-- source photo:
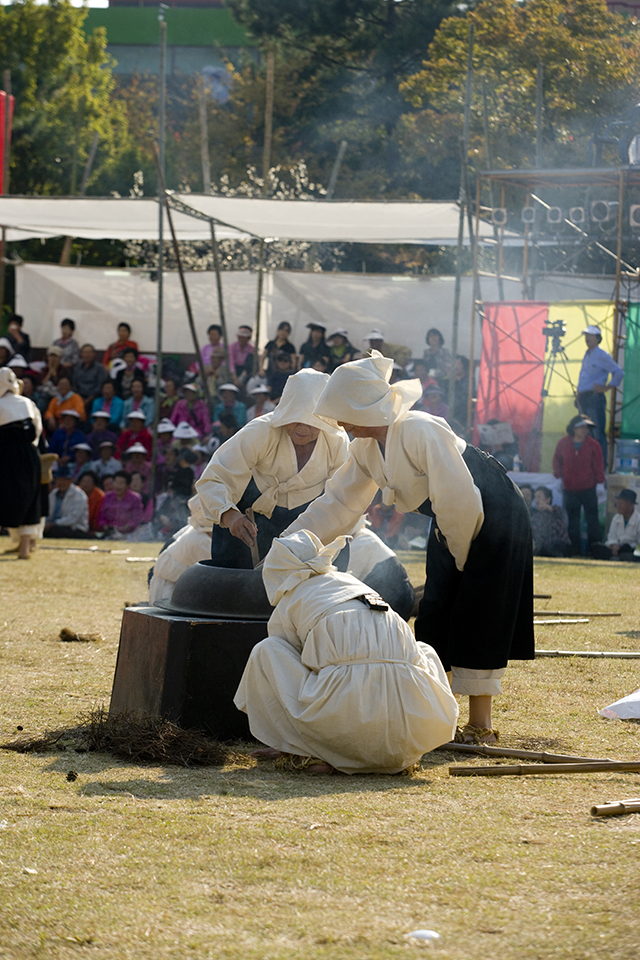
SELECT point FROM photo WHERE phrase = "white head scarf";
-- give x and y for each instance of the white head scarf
(299, 398)
(295, 558)
(360, 393)
(13, 407)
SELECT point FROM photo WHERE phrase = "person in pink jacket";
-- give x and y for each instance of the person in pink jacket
(193, 410)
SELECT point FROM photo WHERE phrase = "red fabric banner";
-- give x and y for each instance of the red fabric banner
(512, 370)
(3, 100)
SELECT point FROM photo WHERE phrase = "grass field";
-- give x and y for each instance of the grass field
(245, 862)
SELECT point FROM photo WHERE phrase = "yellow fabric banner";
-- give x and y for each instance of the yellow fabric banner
(561, 373)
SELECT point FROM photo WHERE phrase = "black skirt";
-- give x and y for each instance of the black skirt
(482, 617)
(229, 551)
(19, 475)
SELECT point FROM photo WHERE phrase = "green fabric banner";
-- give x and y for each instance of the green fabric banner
(630, 421)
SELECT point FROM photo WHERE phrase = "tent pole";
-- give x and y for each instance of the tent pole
(160, 165)
(216, 265)
(5, 180)
(463, 200)
(487, 141)
(472, 335)
(258, 305)
(183, 284)
(616, 321)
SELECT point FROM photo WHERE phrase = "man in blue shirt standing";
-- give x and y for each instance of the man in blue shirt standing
(592, 384)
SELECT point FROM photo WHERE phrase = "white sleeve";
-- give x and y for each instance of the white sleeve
(455, 499)
(229, 471)
(346, 497)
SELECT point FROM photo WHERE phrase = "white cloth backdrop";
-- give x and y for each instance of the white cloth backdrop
(402, 307)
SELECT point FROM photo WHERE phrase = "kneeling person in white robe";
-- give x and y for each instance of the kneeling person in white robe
(336, 679)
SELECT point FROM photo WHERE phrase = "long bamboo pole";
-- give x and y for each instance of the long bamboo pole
(616, 808)
(591, 654)
(485, 750)
(472, 332)
(546, 769)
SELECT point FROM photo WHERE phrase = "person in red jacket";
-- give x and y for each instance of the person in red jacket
(578, 461)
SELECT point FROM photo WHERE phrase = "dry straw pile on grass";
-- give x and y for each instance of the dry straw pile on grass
(148, 861)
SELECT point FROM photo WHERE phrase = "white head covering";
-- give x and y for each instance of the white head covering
(7, 345)
(14, 407)
(295, 558)
(184, 431)
(360, 393)
(298, 401)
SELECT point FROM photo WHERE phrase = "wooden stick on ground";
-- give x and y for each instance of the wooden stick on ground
(565, 613)
(542, 596)
(546, 769)
(616, 808)
(489, 751)
(592, 654)
(563, 620)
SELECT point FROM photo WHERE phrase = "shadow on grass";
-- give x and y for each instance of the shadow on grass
(259, 781)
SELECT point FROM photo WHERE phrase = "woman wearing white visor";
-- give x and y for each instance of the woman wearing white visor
(477, 610)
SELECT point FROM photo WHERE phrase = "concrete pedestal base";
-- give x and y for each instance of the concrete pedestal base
(184, 668)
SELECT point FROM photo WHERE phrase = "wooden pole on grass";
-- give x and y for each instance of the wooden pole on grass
(546, 769)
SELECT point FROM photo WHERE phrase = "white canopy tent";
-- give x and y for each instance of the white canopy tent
(99, 218)
(335, 221)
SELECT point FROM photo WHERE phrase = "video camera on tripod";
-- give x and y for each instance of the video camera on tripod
(554, 332)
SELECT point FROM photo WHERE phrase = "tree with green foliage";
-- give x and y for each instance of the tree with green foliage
(63, 85)
(591, 68)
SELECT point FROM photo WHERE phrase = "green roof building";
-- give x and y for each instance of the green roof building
(197, 37)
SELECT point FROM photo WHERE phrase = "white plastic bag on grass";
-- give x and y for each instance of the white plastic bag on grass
(628, 708)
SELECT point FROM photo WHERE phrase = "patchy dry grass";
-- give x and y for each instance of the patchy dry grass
(245, 862)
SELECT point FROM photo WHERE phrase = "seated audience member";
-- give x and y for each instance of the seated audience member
(6, 352)
(107, 482)
(135, 462)
(550, 536)
(127, 374)
(48, 386)
(214, 332)
(420, 371)
(88, 377)
(16, 336)
(277, 378)
(241, 355)
(138, 401)
(69, 346)
(433, 401)
(202, 461)
(165, 435)
(100, 432)
(192, 410)
(624, 532)
(174, 511)
(89, 483)
(184, 435)
(138, 486)
(115, 349)
(436, 355)
(109, 403)
(66, 437)
(121, 510)
(261, 402)
(64, 400)
(168, 399)
(220, 371)
(169, 467)
(341, 350)
(338, 683)
(527, 492)
(280, 344)
(106, 465)
(81, 462)
(225, 427)
(68, 508)
(189, 545)
(230, 404)
(136, 432)
(19, 366)
(315, 346)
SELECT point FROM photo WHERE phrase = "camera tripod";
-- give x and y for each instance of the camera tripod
(556, 361)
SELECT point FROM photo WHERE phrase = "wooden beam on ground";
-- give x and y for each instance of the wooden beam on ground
(546, 769)
(486, 750)
(592, 654)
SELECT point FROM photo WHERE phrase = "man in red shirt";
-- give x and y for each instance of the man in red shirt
(578, 461)
(136, 432)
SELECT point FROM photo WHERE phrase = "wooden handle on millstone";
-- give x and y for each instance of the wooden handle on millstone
(255, 555)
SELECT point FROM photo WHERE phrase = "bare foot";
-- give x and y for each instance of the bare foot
(321, 768)
(266, 753)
